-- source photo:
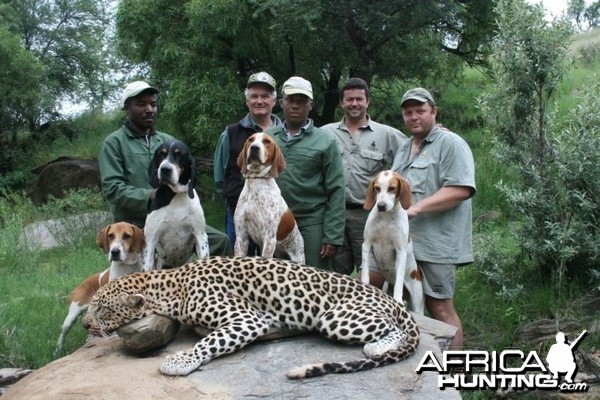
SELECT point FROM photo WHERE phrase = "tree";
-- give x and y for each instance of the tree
(555, 174)
(19, 84)
(66, 37)
(583, 15)
(202, 50)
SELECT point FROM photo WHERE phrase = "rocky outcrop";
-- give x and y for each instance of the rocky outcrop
(57, 177)
(105, 369)
(59, 232)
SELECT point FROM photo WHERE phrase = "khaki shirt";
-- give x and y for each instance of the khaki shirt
(444, 159)
(370, 151)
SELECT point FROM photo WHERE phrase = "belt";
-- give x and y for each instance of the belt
(353, 206)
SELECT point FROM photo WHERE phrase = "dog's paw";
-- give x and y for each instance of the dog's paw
(181, 363)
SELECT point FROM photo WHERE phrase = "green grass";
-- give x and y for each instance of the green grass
(35, 286)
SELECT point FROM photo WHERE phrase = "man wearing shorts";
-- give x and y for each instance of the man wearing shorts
(440, 169)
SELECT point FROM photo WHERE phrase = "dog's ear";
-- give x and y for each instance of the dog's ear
(102, 239)
(370, 197)
(405, 194)
(241, 160)
(192, 181)
(138, 239)
(153, 170)
(278, 164)
(155, 163)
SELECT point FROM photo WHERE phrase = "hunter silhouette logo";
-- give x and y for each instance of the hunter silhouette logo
(560, 357)
(508, 369)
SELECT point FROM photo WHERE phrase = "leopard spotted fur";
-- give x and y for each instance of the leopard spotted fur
(240, 298)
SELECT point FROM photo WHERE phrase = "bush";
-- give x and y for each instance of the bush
(554, 188)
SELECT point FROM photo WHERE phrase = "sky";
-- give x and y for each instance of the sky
(553, 7)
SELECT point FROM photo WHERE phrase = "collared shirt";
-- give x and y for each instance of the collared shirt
(289, 135)
(444, 159)
(365, 154)
(124, 161)
(225, 156)
(312, 183)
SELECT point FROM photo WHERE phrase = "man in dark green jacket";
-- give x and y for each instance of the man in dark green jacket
(125, 158)
(313, 181)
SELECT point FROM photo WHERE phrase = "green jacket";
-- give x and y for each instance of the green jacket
(313, 181)
(124, 162)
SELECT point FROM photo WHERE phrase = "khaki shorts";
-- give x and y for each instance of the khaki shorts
(439, 280)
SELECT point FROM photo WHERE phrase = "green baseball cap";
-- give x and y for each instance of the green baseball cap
(264, 78)
(418, 94)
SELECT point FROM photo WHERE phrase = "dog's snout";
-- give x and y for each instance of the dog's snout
(253, 153)
(381, 207)
(165, 169)
(114, 254)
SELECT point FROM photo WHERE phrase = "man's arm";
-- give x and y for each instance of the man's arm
(444, 199)
(221, 159)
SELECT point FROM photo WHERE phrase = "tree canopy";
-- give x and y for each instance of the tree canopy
(202, 51)
(52, 52)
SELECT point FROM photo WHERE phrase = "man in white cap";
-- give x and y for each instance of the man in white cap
(313, 181)
(125, 158)
(440, 168)
(261, 97)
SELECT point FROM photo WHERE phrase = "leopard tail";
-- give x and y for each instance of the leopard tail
(407, 349)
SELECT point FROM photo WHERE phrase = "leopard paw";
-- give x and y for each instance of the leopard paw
(181, 363)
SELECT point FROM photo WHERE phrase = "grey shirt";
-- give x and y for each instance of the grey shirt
(444, 159)
(367, 153)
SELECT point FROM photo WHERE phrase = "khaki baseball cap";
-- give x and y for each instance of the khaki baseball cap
(135, 88)
(297, 85)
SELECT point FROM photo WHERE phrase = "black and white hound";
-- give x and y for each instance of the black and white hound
(175, 224)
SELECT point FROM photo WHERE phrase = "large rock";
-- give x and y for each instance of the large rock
(57, 177)
(105, 370)
(59, 232)
(148, 333)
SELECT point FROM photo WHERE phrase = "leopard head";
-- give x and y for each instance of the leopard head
(116, 304)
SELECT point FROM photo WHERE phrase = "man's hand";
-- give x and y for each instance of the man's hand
(328, 250)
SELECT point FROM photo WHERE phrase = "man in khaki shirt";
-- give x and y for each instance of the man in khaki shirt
(367, 147)
(440, 168)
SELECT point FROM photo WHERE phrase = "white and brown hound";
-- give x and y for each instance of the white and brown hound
(386, 236)
(123, 243)
(261, 213)
(175, 225)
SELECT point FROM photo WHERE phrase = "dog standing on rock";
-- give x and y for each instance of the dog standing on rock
(262, 214)
(387, 237)
(175, 225)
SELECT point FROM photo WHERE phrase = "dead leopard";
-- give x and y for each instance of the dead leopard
(240, 298)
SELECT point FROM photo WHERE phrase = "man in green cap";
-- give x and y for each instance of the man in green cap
(440, 169)
(261, 97)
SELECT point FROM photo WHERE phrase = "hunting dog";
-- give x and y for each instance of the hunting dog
(261, 213)
(123, 243)
(387, 237)
(175, 225)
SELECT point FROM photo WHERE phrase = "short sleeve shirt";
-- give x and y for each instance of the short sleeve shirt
(371, 150)
(444, 159)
